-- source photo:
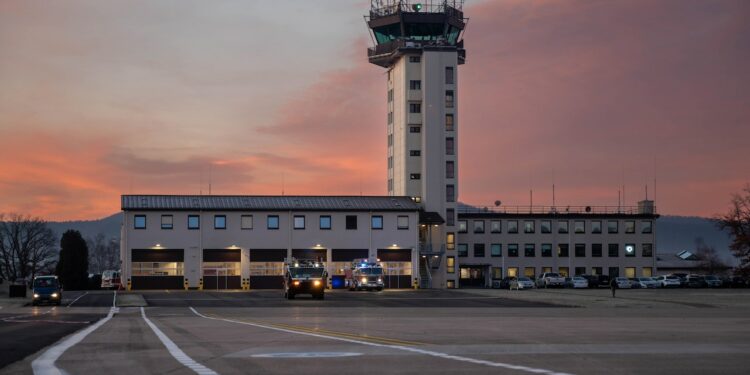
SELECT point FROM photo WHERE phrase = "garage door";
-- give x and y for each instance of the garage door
(267, 268)
(396, 267)
(157, 269)
(221, 269)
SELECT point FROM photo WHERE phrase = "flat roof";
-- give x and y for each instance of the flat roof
(265, 203)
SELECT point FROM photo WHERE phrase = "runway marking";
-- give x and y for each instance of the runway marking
(45, 363)
(11, 318)
(175, 350)
(307, 355)
(48, 321)
(76, 300)
(382, 340)
(396, 347)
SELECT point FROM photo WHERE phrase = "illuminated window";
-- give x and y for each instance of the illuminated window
(450, 263)
(512, 271)
(450, 241)
(563, 271)
(449, 123)
(449, 100)
(629, 250)
(139, 222)
(497, 273)
(528, 226)
(462, 227)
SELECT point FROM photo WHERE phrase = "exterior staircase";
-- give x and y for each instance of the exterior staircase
(425, 277)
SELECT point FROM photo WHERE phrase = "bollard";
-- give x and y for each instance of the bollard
(186, 284)
(200, 284)
(416, 283)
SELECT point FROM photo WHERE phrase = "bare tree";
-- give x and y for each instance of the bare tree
(104, 254)
(710, 260)
(737, 222)
(27, 246)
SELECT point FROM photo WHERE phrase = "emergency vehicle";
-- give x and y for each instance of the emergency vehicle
(304, 276)
(364, 274)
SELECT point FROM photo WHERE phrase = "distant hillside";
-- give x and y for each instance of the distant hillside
(109, 226)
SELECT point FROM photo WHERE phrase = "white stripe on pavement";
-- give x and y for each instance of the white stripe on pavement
(76, 300)
(397, 347)
(45, 363)
(175, 350)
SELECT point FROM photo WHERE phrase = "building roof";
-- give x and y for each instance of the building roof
(266, 203)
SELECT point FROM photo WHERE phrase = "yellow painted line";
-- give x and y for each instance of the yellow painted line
(375, 339)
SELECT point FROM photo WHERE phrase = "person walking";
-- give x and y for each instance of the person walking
(613, 286)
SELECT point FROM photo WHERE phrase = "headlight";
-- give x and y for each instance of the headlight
(316, 282)
(36, 295)
(364, 280)
(380, 280)
(295, 283)
(54, 295)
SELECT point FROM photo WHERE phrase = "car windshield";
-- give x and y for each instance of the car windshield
(372, 271)
(579, 279)
(300, 272)
(45, 283)
(552, 275)
(710, 277)
(523, 279)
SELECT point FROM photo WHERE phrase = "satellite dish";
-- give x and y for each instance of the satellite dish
(588, 208)
(498, 203)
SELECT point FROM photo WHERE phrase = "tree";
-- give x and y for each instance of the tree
(103, 254)
(737, 222)
(709, 259)
(73, 266)
(26, 247)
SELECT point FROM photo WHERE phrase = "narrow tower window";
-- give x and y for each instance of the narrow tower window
(449, 75)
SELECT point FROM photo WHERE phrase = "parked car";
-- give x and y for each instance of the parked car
(623, 283)
(668, 281)
(648, 282)
(635, 283)
(46, 289)
(550, 279)
(576, 282)
(504, 283)
(712, 281)
(696, 281)
(683, 279)
(522, 283)
(737, 282)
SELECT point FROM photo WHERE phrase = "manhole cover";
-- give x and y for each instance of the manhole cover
(307, 355)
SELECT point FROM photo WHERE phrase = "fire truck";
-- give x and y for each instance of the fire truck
(364, 274)
(304, 276)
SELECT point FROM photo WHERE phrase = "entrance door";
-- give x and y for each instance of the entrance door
(216, 279)
(472, 276)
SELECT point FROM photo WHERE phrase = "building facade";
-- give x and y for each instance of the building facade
(240, 242)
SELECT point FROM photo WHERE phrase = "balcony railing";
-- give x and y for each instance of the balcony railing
(384, 8)
(560, 210)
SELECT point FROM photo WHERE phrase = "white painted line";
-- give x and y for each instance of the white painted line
(175, 350)
(45, 363)
(76, 300)
(397, 347)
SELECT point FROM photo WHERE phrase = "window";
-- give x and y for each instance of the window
(629, 250)
(246, 222)
(496, 226)
(450, 241)
(614, 272)
(630, 227)
(647, 271)
(614, 250)
(563, 250)
(415, 176)
(450, 263)
(351, 221)
(325, 222)
(450, 215)
(530, 272)
(563, 271)
(390, 184)
(450, 171)
(415, 84)
(462, 227)
(450, 193)
(562, 227)
(546, 250)
(629, 272)
(390, 117)
(463, 250)
(596, 227)
(646, 227)
(402, 222)
(414, 59)
(415, 129)
(579, 227)
(597, 271)
(450, 148)
(390, 139)
(512, 271)
(449, 99)
(272, 222)
(580, 271)
(449, 123)
(390, 95)
(529, 250)
(478, 226)
(580, 250)
(415, 107)
(546, 226)
(377, 222)
(612, 226)
(415, 153)
(479, 250)
(513, 250)
(647, 250)
(299, 222)
(512, 226)
(220, 222)
(497, 273)
(167, 221)
(194, 222)
(496, 250)
(596, 250)
(449, 75)
(390, 162)
(139, 222)
(528, 226)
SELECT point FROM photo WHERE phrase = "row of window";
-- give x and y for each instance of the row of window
(579, 226)
(272, 222)
(450, 102)
(497, 272)
(563, 250)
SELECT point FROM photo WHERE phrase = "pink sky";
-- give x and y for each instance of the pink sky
(102, 98)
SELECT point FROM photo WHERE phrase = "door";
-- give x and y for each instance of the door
(473, 276)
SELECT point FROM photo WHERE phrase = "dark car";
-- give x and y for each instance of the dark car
(504, 283)
(683, 279)
(737, 282)
(696, 281)
(46, 289)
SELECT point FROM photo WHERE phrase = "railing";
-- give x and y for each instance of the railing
(389, 47)
(427, 249)
(384, 8)
(560, 210)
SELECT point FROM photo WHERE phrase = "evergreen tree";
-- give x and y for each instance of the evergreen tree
(73, 266)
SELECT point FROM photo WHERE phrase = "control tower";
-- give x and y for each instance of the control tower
(420, 44)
